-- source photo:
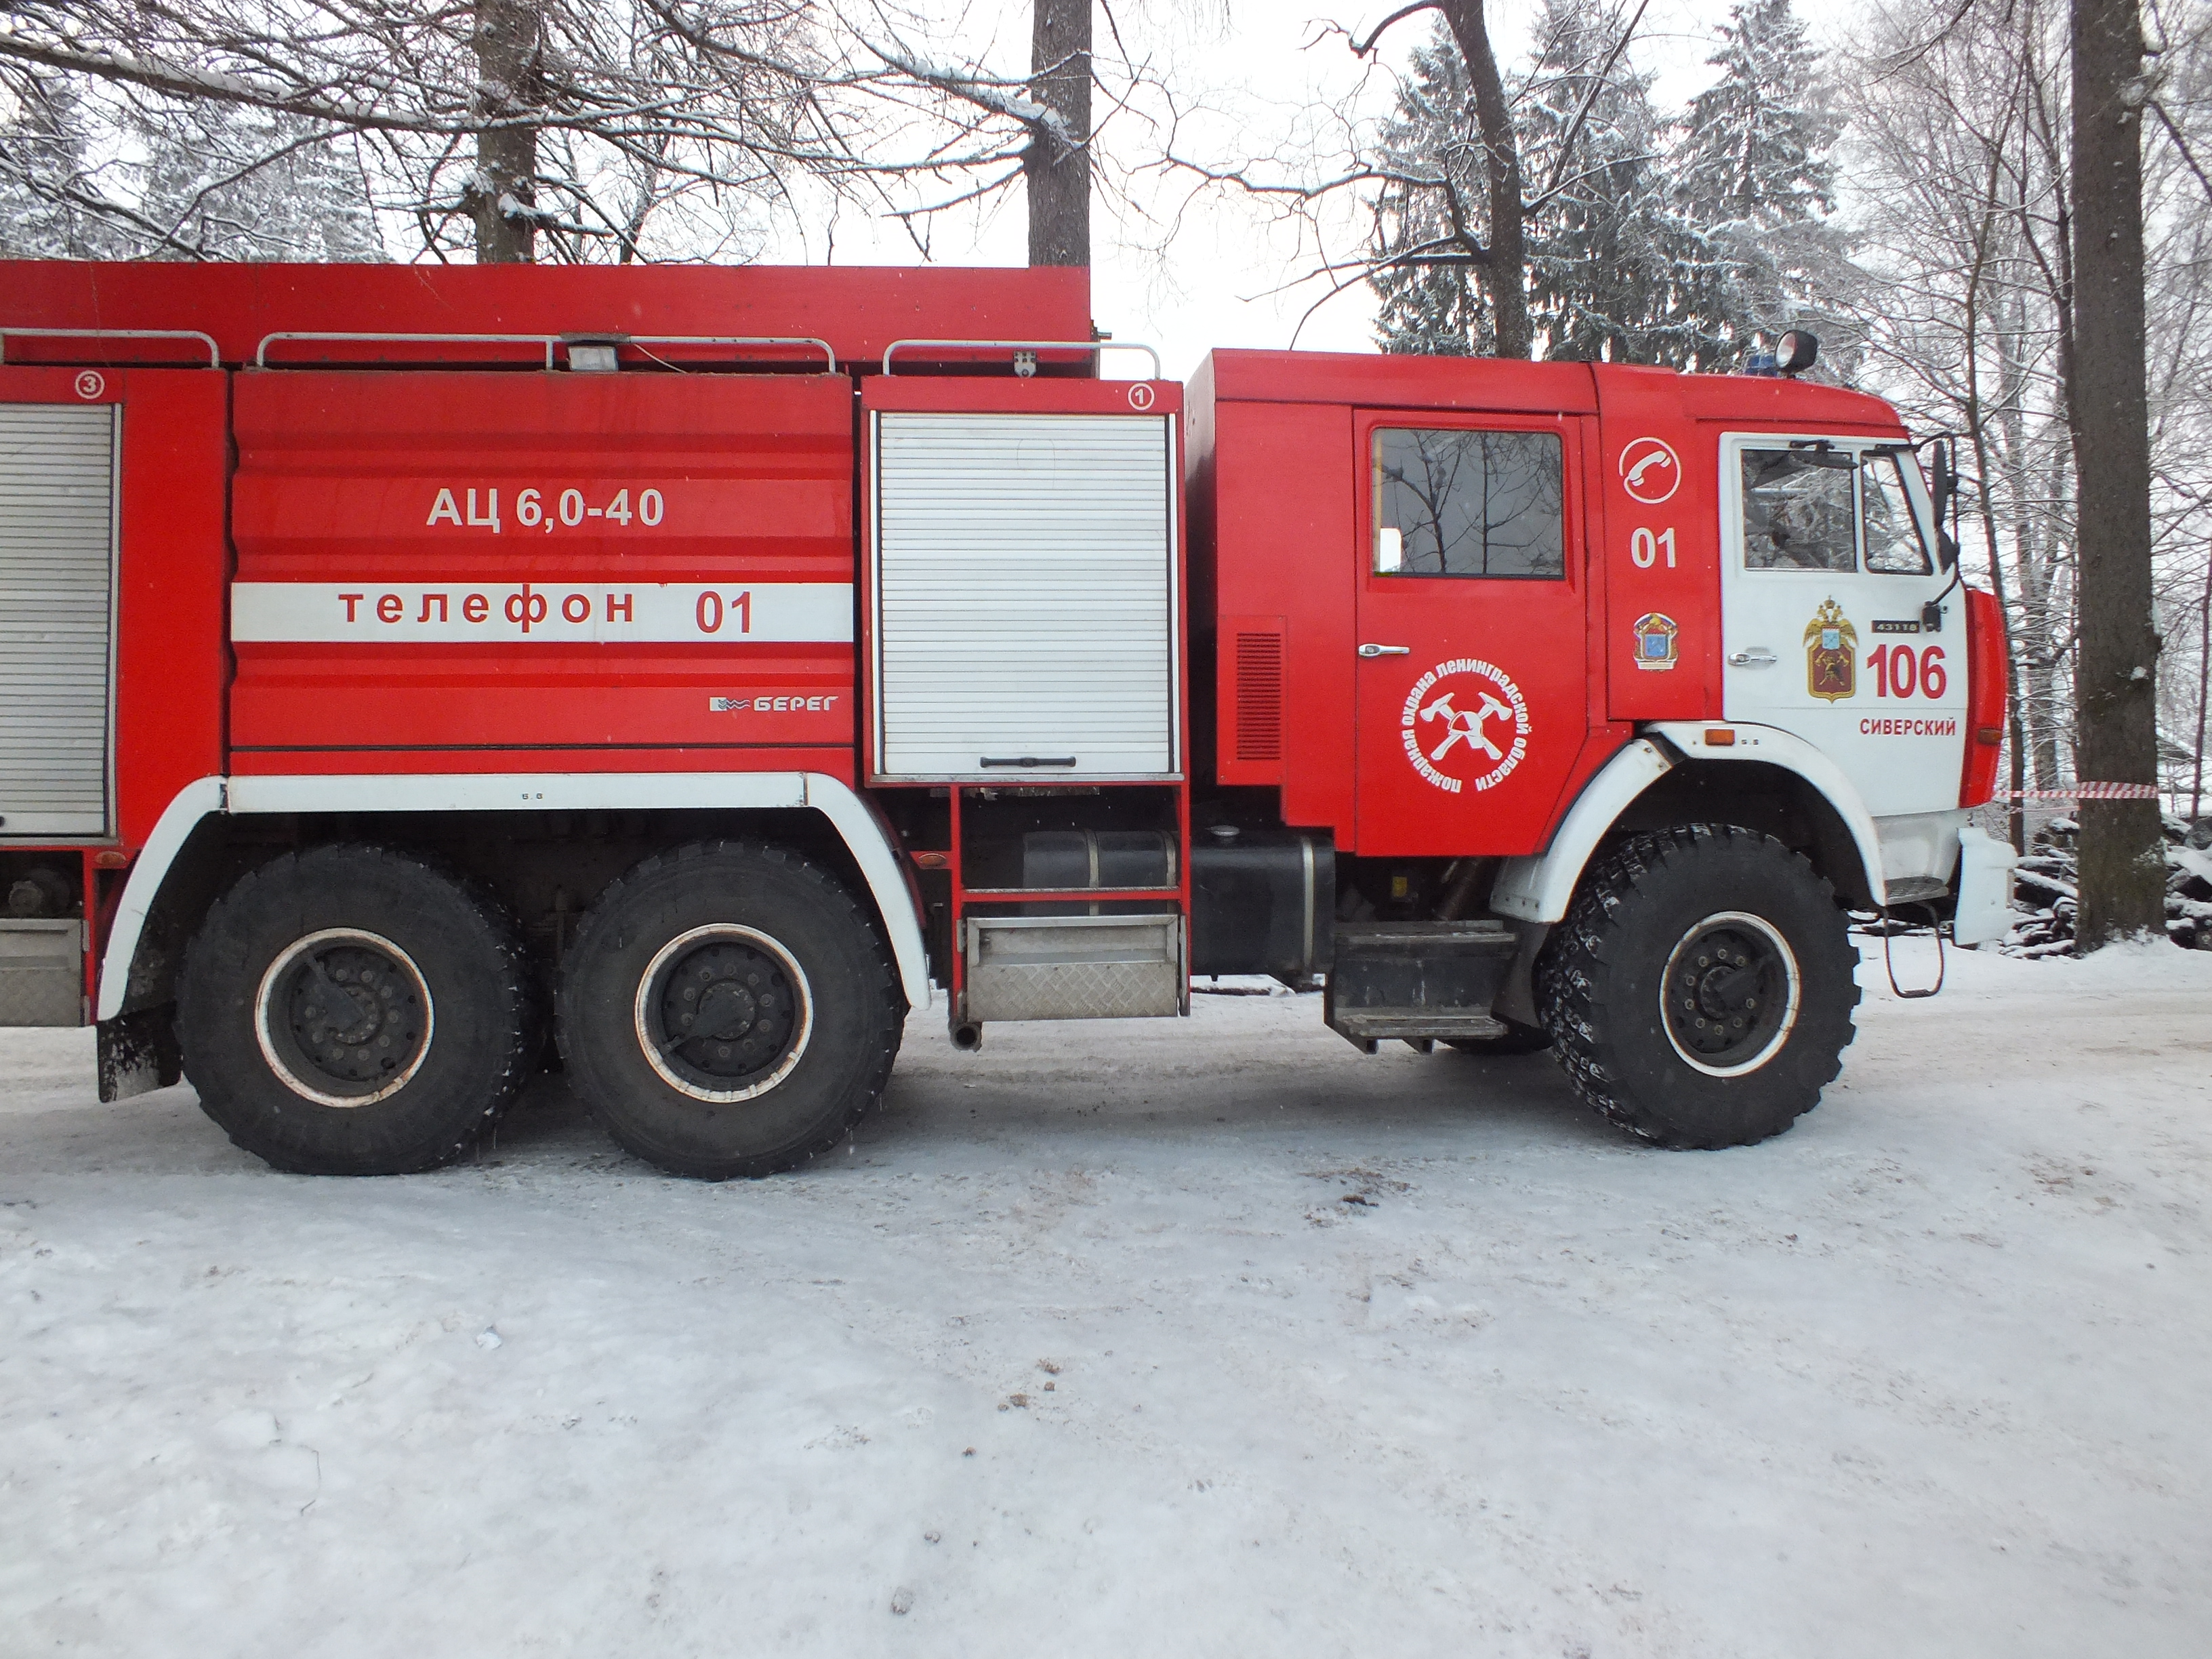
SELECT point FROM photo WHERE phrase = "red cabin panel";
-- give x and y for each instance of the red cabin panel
(517, 563)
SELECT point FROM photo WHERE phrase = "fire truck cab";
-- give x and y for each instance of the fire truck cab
(410, 679)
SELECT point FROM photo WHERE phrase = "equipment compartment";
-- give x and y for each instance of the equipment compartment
(1024, 597)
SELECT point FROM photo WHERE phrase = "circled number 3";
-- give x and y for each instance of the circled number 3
(1644, 547)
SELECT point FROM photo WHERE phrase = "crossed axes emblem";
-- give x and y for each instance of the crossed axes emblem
(1462, 727)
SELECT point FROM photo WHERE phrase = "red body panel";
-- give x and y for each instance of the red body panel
(468, 627)
(1986, 689)
(1661, 550)
(1284, 546)
(858, 310)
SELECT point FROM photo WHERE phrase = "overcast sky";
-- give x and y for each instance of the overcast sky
(1190, 271)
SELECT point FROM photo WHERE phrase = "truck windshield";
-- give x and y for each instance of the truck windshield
(1463, 503)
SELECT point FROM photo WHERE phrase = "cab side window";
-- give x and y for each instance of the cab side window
(1797, 510)
(1893, 546)
(1463, 503)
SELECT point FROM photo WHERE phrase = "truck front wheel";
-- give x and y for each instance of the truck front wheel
(726, 1009)
(1699, 991)
(351, 1011)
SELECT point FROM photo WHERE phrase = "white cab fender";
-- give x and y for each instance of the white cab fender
(1539, 888)
(856, 824)
(1792, 753)
(1985, 888)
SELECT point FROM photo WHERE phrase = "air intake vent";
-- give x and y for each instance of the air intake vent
(1258, 696)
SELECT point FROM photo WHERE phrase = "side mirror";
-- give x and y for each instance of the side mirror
(1943, 492)
(1943, 483)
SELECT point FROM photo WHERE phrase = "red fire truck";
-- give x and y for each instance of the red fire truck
(411, 675)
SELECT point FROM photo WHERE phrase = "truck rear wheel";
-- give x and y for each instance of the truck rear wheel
(351, 1010)
(1699, 991)
(726, 1009)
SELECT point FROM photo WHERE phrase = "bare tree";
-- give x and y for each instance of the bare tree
(556, 129)
(1472, 209)
(1960, 154)
(1505, 261)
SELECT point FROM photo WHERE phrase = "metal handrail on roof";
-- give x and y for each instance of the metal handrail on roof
(215, 351)
(551, 343)
(822, 346)
(1093, 346)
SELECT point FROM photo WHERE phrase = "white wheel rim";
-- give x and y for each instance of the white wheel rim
(642, 1024)
(274, 973)
(1790, 975)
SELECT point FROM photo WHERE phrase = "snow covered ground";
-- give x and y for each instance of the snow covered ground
(1212, 1337)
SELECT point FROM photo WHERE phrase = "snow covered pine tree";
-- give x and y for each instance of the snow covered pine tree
(1647, 241)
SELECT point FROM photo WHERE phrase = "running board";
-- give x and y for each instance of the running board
(1417, 981)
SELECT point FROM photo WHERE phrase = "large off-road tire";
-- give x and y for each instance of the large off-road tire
(1699, 991)
(352, 1011)
(727, 1010)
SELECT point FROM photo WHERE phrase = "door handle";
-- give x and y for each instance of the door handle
(1753, 656)
(1386, 650)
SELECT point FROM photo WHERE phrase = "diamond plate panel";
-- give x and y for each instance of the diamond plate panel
(1074, 968)
(41, 973)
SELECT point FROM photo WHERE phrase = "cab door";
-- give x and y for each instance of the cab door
(1471, 683)
(1827, 577)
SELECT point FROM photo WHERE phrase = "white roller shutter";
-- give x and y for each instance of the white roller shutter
(1024, 597)
(56, 599)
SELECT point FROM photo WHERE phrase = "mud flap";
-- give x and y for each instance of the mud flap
(137, 1052)
(1984, 910)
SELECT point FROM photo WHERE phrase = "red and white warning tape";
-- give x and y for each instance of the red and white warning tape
(2088, 792)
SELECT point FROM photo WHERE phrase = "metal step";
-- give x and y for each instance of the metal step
(1417, 981)
(1916, 890)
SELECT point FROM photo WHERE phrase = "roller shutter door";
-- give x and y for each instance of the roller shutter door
(1025, 606)
(57, 601)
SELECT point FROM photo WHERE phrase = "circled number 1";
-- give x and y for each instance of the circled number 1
(1643, 548)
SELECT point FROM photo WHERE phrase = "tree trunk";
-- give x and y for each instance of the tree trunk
(2116, 667)
(1505, 276)
(2204, 691)
(1056, 165)
(508, 35)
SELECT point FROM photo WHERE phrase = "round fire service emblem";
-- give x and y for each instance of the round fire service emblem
(1465, 725)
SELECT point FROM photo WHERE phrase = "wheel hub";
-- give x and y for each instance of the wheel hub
(344, 1016)
(1730, 993)
(723, 1013)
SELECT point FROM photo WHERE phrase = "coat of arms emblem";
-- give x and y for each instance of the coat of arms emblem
(1831, 654)
(1656, 640)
